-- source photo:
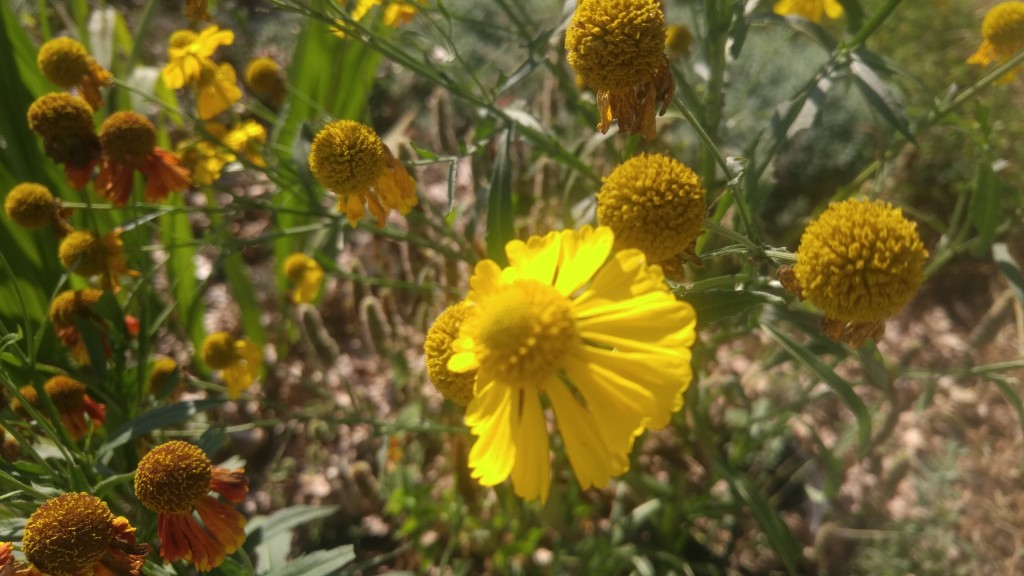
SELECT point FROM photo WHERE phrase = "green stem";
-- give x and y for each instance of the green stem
(872, 24)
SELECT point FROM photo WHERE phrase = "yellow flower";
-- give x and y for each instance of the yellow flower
(598, 333)
(678, 39)
(437, 351)
(32, 206)
(189, 53)
(810, 9)
(617, 47)
(238, 360)
(65, 62)
(72, 402)
(164, 371)
(129, 144)
(350, 159)
(174, 480)
(65, 124)
(75, 534)
(860, 262)
(265, 80)
(305, 276)
(1002, 33)
(206, 160)
(87, 254)
(248, 140)
(396, 13)
(217, 89)
(653, 203)
(65, 310)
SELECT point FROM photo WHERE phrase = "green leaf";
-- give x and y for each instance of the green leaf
(154, 420)
(713, 305)
(879, 96)
(319, 563)
(282, 521)
(832, 380)
(775, 529)
(1009, 267)
(984, 212)
(500, 228)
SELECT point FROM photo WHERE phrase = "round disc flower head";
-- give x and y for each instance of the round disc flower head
(437, 351)
(304, 275)
(75, 534)
(264, 77)
(33, 206)
(163, 373)
(1002, 33)
(812, 10)
(617, 47)
(65, 124)
(129, 144)
(598, 333)
(174, 480)
(66, 63)
(89, 254)
(65, 310)
(238, 360)
(351, 160)
(72, 403)
(860, 262)
(653, 203)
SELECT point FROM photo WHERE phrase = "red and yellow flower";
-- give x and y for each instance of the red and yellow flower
(175, 480)
(129, 144)
(72, 402)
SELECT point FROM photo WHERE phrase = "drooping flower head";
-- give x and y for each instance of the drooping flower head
(812, 10)
(653, 203)
(598, 333)
(305, 276)
(66, 63)
(678, 40)
(174, 480)
(238, 360)
(1002, 33)
(266, 80)
(72, 402)
(860, 262)
(88, 254)
(10, 450)
(437, 351)
(33, 206)
(64, 122)
(190, 63)
(75, 534)
(129, 144)
(7, 562)
(352, 161)
(68, 307)
(617, 47)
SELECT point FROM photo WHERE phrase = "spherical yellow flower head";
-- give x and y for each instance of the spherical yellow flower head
(810, 9)
(31, 397)
(173, 477)
(61, 116)
(653, 203)
(219, 350)
(128, 138)
(598, 333)
(305, 275)
(678, 39)
(347, 157)
(66, 393)
(1002, 33)
(437, 350)
(72, 303)
(31, 205)
(860, 261)
(182, 38)
(615, 45)
(161, 373)
(69, 534)
(64, 61)
(84, 252)
(264, 77)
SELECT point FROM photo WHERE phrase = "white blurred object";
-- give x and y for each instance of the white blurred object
(102, 27)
